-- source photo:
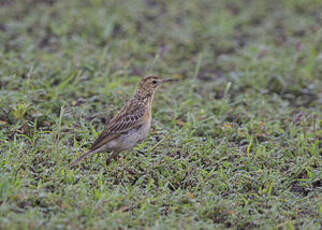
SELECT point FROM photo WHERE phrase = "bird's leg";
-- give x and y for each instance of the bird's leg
(112, 156)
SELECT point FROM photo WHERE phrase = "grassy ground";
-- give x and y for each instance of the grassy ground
(234, 144)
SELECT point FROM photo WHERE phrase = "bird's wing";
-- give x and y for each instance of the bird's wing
(130, 116)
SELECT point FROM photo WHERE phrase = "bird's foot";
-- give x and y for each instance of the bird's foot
(108, 161)
(112, 157)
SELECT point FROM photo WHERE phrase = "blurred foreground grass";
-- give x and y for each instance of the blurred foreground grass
(235, 144)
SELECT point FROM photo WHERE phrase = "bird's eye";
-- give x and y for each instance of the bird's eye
(154, 82)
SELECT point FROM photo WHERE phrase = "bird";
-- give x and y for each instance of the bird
(130, 125)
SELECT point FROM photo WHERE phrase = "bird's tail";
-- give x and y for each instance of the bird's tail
(75, 162)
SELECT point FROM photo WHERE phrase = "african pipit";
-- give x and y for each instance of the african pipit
(130, 125)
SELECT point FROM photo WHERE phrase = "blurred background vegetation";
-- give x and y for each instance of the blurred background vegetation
(234, 144)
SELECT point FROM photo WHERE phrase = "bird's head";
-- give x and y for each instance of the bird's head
(148, 85)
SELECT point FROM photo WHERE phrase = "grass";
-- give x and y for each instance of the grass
(236, 143)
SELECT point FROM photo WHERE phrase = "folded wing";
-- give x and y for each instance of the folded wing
(129, 117)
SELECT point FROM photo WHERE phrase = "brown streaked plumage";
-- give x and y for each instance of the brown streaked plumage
(130, 125)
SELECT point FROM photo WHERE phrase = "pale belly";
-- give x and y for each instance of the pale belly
(130, 139)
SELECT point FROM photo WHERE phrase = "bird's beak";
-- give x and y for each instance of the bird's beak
(168, 80)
